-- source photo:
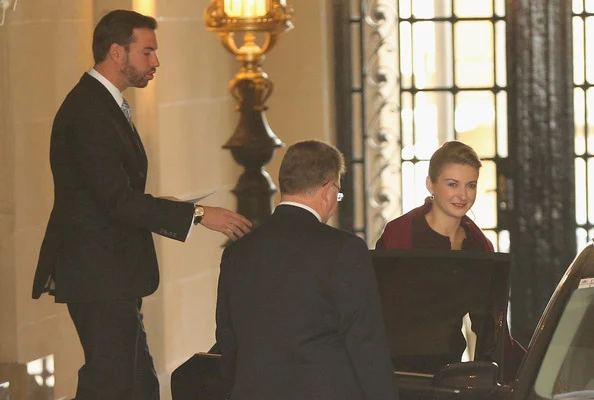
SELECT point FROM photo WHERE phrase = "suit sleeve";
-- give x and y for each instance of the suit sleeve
(361, 322)
(225, 333)
(96, 147)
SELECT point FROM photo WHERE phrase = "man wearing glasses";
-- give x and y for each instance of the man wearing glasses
(298, 313)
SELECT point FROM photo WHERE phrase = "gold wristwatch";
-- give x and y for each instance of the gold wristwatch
(198, 213)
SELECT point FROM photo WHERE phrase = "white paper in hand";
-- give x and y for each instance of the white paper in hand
(195, 197)
(199, 195)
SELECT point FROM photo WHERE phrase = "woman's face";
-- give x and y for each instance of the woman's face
(455, 189)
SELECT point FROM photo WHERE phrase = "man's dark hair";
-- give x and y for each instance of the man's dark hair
(117, 27)
(308, 165)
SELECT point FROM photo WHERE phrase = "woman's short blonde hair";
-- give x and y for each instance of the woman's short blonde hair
(452, 152)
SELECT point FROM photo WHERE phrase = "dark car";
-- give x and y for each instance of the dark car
(560, 359)
(424, 295)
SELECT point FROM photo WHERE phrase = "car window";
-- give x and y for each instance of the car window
(567, 370)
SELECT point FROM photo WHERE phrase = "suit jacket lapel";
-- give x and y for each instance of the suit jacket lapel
(137, 140)
(130, 138)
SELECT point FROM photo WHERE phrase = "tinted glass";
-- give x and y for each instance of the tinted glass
(567, 370)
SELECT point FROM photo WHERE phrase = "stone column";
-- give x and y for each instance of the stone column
(541, 207)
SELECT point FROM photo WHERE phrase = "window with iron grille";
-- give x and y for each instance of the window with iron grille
(497, 75)
(583, 73)
(423, 72)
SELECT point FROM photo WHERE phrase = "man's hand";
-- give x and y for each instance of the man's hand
(227, 222)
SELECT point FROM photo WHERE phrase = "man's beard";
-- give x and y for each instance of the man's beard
(134, 77)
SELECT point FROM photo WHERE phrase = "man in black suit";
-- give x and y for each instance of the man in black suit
(298, 312)
(98, 254)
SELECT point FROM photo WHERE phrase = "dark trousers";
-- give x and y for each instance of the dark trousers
(118, 365)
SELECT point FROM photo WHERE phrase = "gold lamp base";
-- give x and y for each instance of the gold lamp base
(253, 142)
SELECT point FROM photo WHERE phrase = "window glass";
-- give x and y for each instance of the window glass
(567, 370)
(453, 87)
(583, 103)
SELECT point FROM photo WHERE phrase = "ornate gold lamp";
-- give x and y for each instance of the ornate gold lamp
(253, 143)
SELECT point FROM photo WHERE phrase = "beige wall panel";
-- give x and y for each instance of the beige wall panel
(50, 10)
(193, 63)
(6, 143)
(181, 9)
(58, 335)
(8, 336)
(102, 7)
(191, 310)
(33, 314)
(300, 66)
(33, 184)
(42, 86)
(71, 37)
(32, 98)
(190, 154)
(8, 316)
(8, 331)
(53, 334)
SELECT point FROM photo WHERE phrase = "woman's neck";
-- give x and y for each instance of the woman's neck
(442, 224)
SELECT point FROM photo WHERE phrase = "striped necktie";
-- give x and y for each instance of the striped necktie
(135, 138)
(126, 109)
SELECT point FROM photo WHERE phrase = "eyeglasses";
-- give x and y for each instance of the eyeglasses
(339, 195)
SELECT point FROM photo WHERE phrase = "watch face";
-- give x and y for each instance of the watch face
(199, 211)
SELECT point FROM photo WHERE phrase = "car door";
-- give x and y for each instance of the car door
(425, 296)
(560, 360)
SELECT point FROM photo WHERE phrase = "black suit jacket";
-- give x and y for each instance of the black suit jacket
(98, 244)
(298, 314)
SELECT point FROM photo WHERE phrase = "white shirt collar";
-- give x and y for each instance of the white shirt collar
(311, 210)
(117, 95)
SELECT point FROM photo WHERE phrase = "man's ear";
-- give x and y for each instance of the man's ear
(116, 53)
(325, 190)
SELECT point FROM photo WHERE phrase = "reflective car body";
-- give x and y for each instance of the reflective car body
(559, 364)
(560, 359)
